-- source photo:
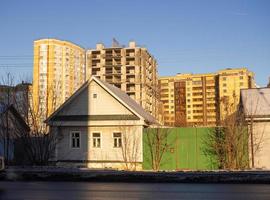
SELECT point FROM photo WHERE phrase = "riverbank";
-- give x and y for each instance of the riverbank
(81, 175)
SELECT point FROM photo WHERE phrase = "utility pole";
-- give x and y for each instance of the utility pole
(252, 142)
(196, 147)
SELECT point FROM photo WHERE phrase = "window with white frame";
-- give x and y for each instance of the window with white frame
(96, 140)
(117, 140)
(75, 139)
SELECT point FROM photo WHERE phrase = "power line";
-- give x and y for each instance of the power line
(16, 66)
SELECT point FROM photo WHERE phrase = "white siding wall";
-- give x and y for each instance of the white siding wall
(85, 104)
(64, 149)
(261, 131)
(107, 156)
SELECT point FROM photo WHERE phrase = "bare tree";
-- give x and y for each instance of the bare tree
(7, 98)
(37, 143)
(256, 140)
(229, 143)
(157, 140)
(131, 146)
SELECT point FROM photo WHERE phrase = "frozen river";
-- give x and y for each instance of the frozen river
(134, 191)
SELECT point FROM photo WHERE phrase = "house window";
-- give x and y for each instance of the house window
(117, 140)
(75, 139)
(96, 140)
(95, 96)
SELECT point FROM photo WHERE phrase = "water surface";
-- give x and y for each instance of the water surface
(157, 191)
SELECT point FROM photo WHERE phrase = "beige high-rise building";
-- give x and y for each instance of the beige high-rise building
(202, 99)
(230, 83)
(132, 69)
(59, 70)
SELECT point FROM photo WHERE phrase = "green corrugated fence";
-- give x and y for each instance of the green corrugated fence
(185, 149)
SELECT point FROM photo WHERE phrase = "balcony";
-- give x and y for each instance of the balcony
(130, 63)
(132, 54)
(131, 71)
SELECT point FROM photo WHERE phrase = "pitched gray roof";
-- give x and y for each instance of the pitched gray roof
(128, 100)
(256, 101)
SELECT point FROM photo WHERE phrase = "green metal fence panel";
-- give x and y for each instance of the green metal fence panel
(184, 152)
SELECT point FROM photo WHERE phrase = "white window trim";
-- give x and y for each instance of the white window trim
(92, 139)
(71, 132)
(121, 139)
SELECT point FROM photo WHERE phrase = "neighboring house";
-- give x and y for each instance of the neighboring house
(100, 126)
(19, 96)
(256, 106)
(12, 126)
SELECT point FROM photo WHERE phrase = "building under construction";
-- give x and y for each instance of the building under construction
(132, 69)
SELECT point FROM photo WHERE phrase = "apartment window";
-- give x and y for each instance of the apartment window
(241, 84)
(117, 140)
(224, 84)
(224, 78)
(75, 139)
(224, 91)
(197, 82)
(95, 96)
(241, 77)
(96, 140)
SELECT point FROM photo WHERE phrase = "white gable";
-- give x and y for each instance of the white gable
(94, 100)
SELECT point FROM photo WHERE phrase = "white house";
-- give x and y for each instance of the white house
(256, 106)
(100, 126)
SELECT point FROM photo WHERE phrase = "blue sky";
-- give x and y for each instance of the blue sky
(185, 36)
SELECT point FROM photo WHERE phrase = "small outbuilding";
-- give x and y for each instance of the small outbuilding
(12, 128)
(100, 126)
(256, 106)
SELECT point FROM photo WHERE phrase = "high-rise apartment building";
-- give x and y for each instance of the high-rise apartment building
(132, 69)
(230, 83)
(166, 88)
(202, 99)
(59, 70)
